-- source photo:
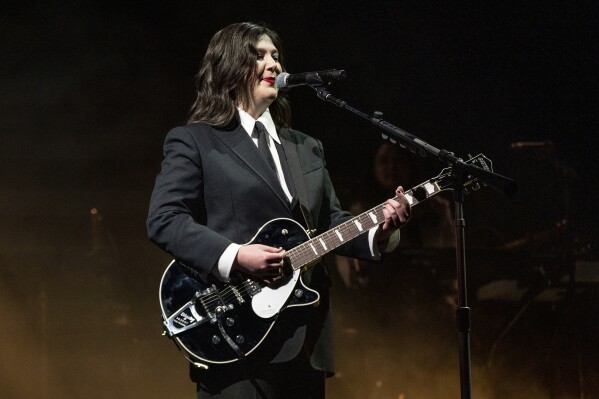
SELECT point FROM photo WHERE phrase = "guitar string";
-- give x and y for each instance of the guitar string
(227, 295)
(305, 251)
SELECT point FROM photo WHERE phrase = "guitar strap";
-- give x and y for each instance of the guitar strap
(298, 180)
(297, 174)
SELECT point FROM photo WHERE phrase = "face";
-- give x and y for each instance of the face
(267, 68)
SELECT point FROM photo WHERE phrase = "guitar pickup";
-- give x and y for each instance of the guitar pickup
(251, 287)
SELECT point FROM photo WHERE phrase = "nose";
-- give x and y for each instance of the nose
(271, 65)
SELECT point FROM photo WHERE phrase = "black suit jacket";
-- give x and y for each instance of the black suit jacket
(214, 189)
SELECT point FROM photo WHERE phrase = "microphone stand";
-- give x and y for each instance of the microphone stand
(459, 172)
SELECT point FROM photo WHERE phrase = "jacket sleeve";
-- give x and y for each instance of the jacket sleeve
(177, 215)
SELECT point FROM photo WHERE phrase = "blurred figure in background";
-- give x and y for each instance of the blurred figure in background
(432, 221)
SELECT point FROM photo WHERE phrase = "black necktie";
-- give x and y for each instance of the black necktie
(261, 133)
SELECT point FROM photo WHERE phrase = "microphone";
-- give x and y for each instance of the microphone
(319, 78)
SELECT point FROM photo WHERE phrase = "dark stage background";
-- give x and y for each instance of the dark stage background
(89, 90)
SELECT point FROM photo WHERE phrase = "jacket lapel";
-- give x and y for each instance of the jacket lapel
(290, 148)
(241, 144)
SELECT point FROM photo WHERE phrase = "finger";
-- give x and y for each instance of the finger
(274, 258)
(401, 196)
(396, 214)
(267, 248)
(404, 215)
(403, 207)
(391, 217)
(271, 271)
(394, 208)
(275, 264)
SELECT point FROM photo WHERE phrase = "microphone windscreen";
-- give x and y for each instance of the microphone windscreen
(281, 80)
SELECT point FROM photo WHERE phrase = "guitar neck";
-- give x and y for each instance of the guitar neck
(304, 255)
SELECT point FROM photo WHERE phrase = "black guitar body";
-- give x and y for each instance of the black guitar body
(215, 322)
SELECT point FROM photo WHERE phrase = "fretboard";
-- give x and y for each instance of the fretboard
(305, 254)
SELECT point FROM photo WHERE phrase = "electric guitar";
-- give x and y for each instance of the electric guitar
(218, 323)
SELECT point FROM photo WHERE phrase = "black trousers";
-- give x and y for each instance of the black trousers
(291, 380)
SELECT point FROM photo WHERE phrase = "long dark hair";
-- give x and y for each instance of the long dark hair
(227, 76)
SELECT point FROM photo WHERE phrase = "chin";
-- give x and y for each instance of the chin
(268, 99)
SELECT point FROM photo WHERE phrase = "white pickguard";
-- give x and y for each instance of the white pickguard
(269, 301)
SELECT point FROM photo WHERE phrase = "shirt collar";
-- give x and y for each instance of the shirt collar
(266, 119)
